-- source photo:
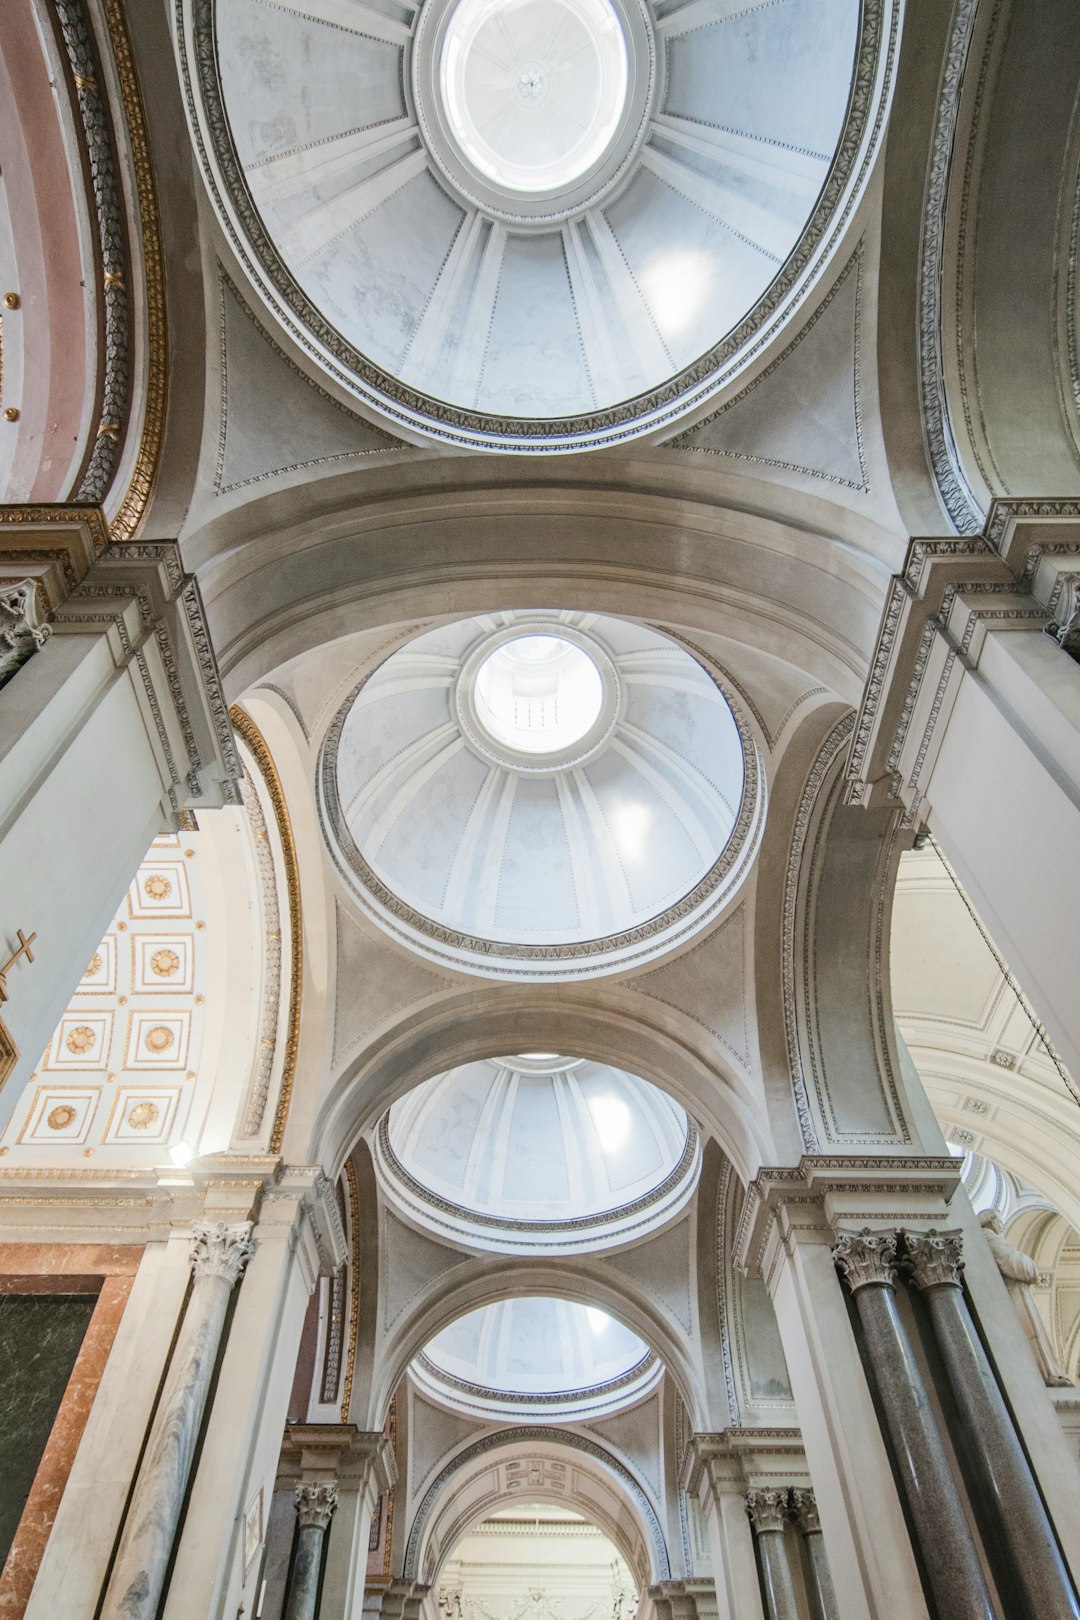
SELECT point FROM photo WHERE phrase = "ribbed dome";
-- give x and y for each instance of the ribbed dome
(497, 806)
(519, 220)
(538, 1152)
(537, 1356)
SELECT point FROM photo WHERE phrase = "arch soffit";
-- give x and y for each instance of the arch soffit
(756, 579)
(600, 1021)
(531, 1440)
(468, 1282)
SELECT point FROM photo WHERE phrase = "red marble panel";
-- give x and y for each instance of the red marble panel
(62, 1268)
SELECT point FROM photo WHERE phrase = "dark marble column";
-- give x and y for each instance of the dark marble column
(315, 1504)
(768, 1510)
(219, 1254)
(819, 1586)
(867, 1262)
(995, 1460)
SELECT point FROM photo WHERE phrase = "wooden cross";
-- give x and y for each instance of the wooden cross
(23, 950)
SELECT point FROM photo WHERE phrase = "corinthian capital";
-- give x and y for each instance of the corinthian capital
(767, 1510)
(806, 1514)
(934, 1259)
(866, 1257)
(315, 1504)
(219, 1250)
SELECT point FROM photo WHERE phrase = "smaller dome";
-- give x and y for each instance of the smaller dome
(537, 1357)
(538, 1152)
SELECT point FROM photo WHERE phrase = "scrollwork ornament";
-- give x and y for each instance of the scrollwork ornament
(315, 1504)
(934, 1259)
(866, 1258)
(767, 1510)
(804, 1502)
(220, 1250)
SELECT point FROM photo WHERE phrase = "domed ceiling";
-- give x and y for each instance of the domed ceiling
(537, 1357)
(538, 1153)
(541, 794)
(532, 223)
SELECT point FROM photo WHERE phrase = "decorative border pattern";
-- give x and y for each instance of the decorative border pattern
(578, 1223)
(253, 739)
(546, 1436)
(823, 763)
(954, 493)
(220, 488)
(648, 411)
(566, 1397)
(683, 441)
(353, 1191)
(137, 496)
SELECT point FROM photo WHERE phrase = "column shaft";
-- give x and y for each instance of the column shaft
(819, 1586)
(768, 1511)
(994, 1457)
(949, 1556)
(304, 1580)
(315, 1504)
(138, 1575)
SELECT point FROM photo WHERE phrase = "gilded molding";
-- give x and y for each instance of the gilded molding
(132, 508)
(253, 740)
(353, 1192)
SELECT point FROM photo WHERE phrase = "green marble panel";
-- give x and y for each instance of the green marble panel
(40, 1335)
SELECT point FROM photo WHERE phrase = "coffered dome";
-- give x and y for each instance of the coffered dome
(532, 223)
(541, 794)
(537, 1357)
(538, 1152)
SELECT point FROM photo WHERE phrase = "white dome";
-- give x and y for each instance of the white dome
(545, 223)
(538, 1153)
(537, 1357)
(556, 814)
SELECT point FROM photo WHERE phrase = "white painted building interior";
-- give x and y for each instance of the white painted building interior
(539, 810)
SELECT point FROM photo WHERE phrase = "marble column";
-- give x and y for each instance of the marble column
(995, 1460)
(768, 1511)
(867, 1262)
(819, 1586)
(315, 1504)
(218, 1256)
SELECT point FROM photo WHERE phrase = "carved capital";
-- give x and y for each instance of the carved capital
(934, 1259)
(806, 1514)
(866, 1257)
(21, 633)
(220, 1250)
(315, 1504)
(767, 1510)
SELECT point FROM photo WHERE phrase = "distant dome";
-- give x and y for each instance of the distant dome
(537, 1357)
(538, 1153)
(544, 224)
(541, 794)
